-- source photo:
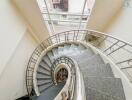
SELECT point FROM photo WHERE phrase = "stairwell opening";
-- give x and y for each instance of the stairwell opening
(61, 75)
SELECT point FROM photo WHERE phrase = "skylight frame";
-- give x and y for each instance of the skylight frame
(47, 14)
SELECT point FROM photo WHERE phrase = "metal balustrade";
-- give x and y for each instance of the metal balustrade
(69, 62)
(117, 50)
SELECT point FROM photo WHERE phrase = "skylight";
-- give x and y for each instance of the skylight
(63, 15)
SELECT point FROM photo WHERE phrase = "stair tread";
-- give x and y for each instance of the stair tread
(39, 82)
(73, 46)
(47, 60)
(60, 49)
(50, 93)
(97, 70)
(81, 47)
(55, 51)
(111, 86)
(44, 83)
(89, 60)
(42, 76)
(44, 65)
(93, 94)
(50, 55)
(66, 46)
(45, 87)
(43, 72)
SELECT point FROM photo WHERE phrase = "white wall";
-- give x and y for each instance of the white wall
(102, 13)
(12, 82)
(121, 25)
(12, 29)
(16, 46)
(30, 11)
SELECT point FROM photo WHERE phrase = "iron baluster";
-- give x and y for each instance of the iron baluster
(126, 67)
(77, 35)
(116, 49)
(124, 61)
(59, 37)
(111, 46)
(65, 37)
(74, 35)
(56, 39)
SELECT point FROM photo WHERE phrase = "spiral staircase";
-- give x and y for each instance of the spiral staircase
(78, 65)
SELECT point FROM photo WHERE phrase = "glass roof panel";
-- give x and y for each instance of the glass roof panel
(63, 15)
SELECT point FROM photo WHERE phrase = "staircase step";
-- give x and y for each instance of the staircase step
(72, 50)
(60, 50)
(55, 51)
(44, 83)
(110, 86)
(47, 60)
(73, 46)
(43, 73)
(93, 94)
(50, 93)
(90, 60)
(81, 47)
(40, 82)
(99, 70)
(43, 76)
(45, 87)
(51, 56)
(67, 46)
(44, 66)
(86, 54)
